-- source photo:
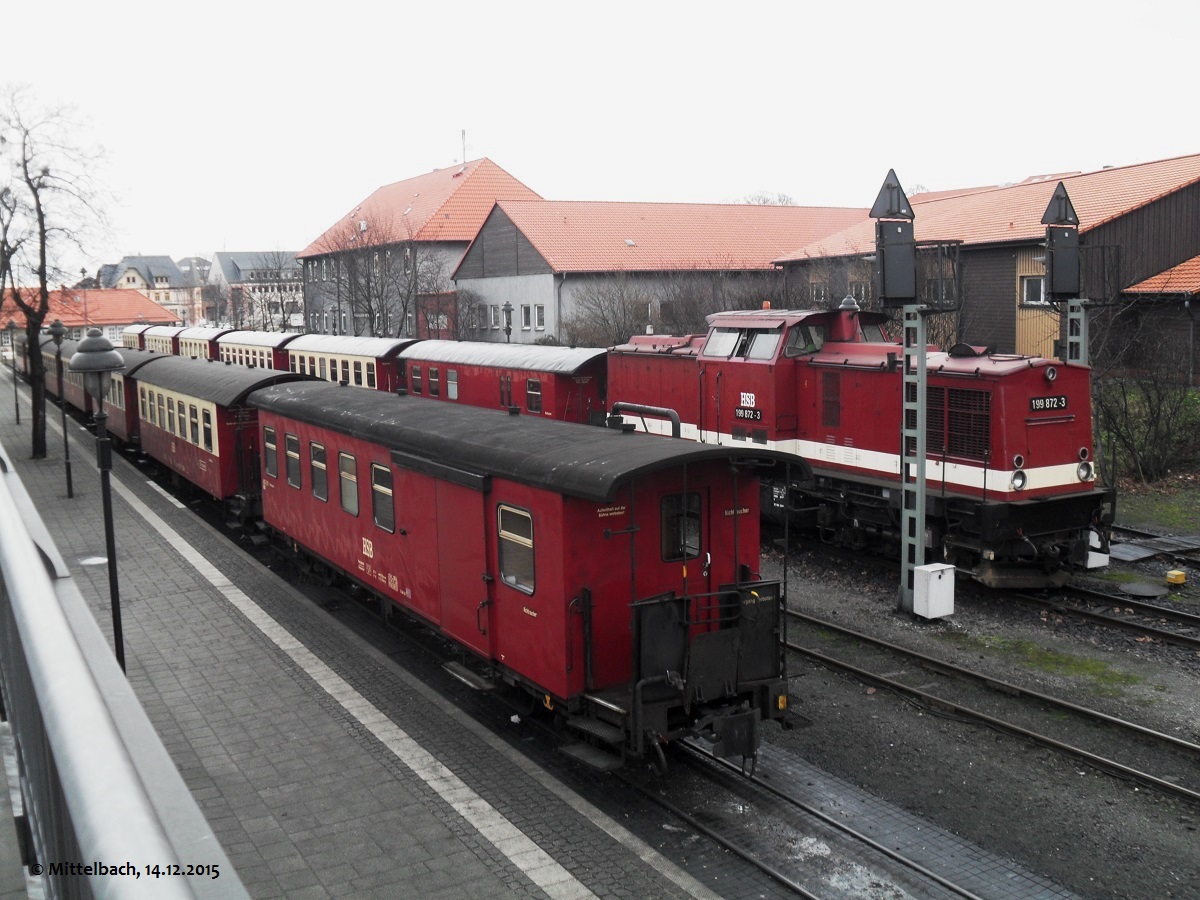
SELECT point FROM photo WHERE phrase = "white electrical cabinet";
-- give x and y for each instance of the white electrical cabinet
(933, 590)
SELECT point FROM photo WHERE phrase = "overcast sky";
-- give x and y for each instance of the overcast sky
(252, 126)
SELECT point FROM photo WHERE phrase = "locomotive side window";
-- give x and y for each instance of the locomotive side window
(270, 454)
(194, 419)
(348, 483)
(416, 379)
(804, 339)
(680, 527)
(516, 547)
(434, 383)
(383, 507)
(291, 448)
(533, 395)
(317, 472)
(208, 444)
(831, 399)
(451, 384)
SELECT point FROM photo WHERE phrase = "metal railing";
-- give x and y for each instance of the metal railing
(98, 785)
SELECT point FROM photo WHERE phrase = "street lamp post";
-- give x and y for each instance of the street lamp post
(11, 328)
(507, 307)
(58, 331)
(96, 360)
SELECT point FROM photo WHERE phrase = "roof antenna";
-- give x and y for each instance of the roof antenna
(464, 140)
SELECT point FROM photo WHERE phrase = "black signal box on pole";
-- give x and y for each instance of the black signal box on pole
(895, 247)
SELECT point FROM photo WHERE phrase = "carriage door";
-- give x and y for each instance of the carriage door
(463, 559)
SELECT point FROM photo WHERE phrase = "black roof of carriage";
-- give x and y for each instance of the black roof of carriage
(222, 383)
(578, 460)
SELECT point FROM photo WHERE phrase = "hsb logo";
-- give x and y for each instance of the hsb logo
(747, 399)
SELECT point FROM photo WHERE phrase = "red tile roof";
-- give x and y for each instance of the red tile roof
(1014, 213)
(1182, 279)
(100, 307)
(580, 236)
(443, 205)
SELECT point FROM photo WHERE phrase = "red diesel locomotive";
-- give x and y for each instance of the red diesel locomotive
(1011, 485)
(613, 576)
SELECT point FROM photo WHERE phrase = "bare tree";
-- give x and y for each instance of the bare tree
(275, 292)
(606, 313)
(46, 203)
(767, 198)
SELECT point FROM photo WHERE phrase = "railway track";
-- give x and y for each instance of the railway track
(771, 818)
(1125, 613)
(1015, 710)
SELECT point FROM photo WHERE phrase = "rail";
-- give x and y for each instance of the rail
(97, 784)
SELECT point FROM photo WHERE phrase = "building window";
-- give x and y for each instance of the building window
(208, 442)
(382, 503)
(451, 384)
(495, 314)
(526, 317)
(539, 317)
(317, 472)
(818, 292)
(1032, 290)
(516, 548)
(270, 454)
(860, 291)
(291, 446)
(533, 395)
(348, 483)
(680, 526)
(434, 382)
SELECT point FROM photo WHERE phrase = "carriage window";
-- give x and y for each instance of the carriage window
(416, 379)
(171, 416)
(270, 456)
(370, 375)
(533, 395)
(316, 471)
(516, 548)
(680, 527)
(763, 344)
(451, 384)
(153, 415)
(382, 505)
(208, 444)
(142, 395)
(348, 483)
(721, 342)
(831, 399)
(291, 447)
(182, 421)
(194, 419)
(312, 365)
(434, 384)
(162, 411)
(358, 372)
(346, 371)
(321, 363)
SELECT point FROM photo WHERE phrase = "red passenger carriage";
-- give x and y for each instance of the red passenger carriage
(368, 362)
(162, 339)
(613, 575)
(262, 349)
(200, 343)
(555, 382)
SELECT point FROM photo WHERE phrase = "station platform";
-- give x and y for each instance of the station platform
(323, 767)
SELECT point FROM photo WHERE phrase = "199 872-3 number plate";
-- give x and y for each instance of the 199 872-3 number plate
(1047, 404)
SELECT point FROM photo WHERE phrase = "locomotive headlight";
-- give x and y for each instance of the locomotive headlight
(1051, 373)
(1019, 480)
(1085, 471)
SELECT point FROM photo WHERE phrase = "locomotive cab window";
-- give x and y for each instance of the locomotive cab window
(763, 344)
(516, 547)
(533, 395)
(721, 342)
(804, 339)
(270, 453)
(348, 483)
(317, 472)
(291, 446)
(680, 527)
(382, 502)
